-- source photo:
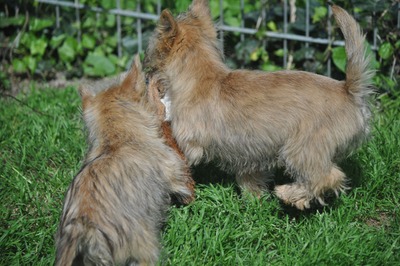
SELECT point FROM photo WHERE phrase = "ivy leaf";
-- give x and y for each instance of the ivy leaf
(39, 24)
(119, 61)
(38, 47)
(339, 58)
(231, 19)
(27, 38)
(272, 26)
(368, 52)
(18, 65)
(57, 40)
(111, 21)
(319, 13)
(97, 65)
(181, 5)
(270, 67)
(254, 56)
(11, 21)
(68, 50)
(106, 4)
(127, 21)
(214, 6)
(385, 50)
(98, 51)
(89, 22)
(88, 41)
(112, 41)
(279, 52)
(31, 63)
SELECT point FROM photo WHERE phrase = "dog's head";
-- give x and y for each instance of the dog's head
(110, 101)
(130, 86)
(174, 37)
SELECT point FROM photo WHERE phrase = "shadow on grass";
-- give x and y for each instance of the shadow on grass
(206, 174)
(210, 174)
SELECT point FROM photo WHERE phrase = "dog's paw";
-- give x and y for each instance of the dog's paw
(294, 195)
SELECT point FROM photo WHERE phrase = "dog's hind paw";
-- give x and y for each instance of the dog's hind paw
(294, 195)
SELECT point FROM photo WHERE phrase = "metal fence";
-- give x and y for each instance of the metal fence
(141, 16)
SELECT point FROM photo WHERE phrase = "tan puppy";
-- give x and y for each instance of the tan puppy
(116, 205)
(252, 121)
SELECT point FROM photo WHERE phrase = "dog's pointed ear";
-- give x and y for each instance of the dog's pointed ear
(140, 85)
(167, 24)
(200, 8)
(130, 78)
(134, 82)
(86, 94)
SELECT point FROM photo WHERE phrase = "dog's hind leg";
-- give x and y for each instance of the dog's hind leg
(300, 194)
(255, 183)
(335, 181)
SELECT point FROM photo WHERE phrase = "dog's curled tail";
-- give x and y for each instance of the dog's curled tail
(82, 245)
(358, 73)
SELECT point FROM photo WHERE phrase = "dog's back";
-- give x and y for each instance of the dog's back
(114, 210)
(116, 205)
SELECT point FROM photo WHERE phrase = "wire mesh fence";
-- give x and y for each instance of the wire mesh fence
(289, 16)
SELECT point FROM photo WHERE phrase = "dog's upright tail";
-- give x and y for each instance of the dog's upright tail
(358, 73)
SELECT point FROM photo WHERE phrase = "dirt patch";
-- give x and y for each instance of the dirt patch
(382, 220)
(24, 84)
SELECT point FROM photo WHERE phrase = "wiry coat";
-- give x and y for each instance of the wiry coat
(250, 121)
(117, 203)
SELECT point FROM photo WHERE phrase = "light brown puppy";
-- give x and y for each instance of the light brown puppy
(117, 203)
(252, 121)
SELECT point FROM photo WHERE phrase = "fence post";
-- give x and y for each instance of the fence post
(78, 20)
(285, 25)
(57, 16)
(139, 27)
(221, 23)
(118, 3)
(328, 63)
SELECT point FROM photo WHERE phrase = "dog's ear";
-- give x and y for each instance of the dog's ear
(86, 94)
(134, 82)
(167, 29)
(140, 85)
(200, 8)
(167, 25)
(129, 81)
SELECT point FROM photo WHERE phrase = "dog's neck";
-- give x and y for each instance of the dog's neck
(203, 66)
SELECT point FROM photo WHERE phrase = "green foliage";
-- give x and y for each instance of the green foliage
(385, 50)
(11, 21)
(98, 65)
(39, 24)
(320, 13)
(339, 58)
(68, 50)
(43, 48)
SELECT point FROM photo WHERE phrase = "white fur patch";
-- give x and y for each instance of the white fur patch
(167, 103)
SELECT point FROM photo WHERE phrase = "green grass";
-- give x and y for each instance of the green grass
(42, 145)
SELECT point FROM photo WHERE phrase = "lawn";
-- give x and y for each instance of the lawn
(42, 145)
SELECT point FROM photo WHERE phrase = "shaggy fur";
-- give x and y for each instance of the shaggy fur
(253, 121)
(155, 94)
(116, 205)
